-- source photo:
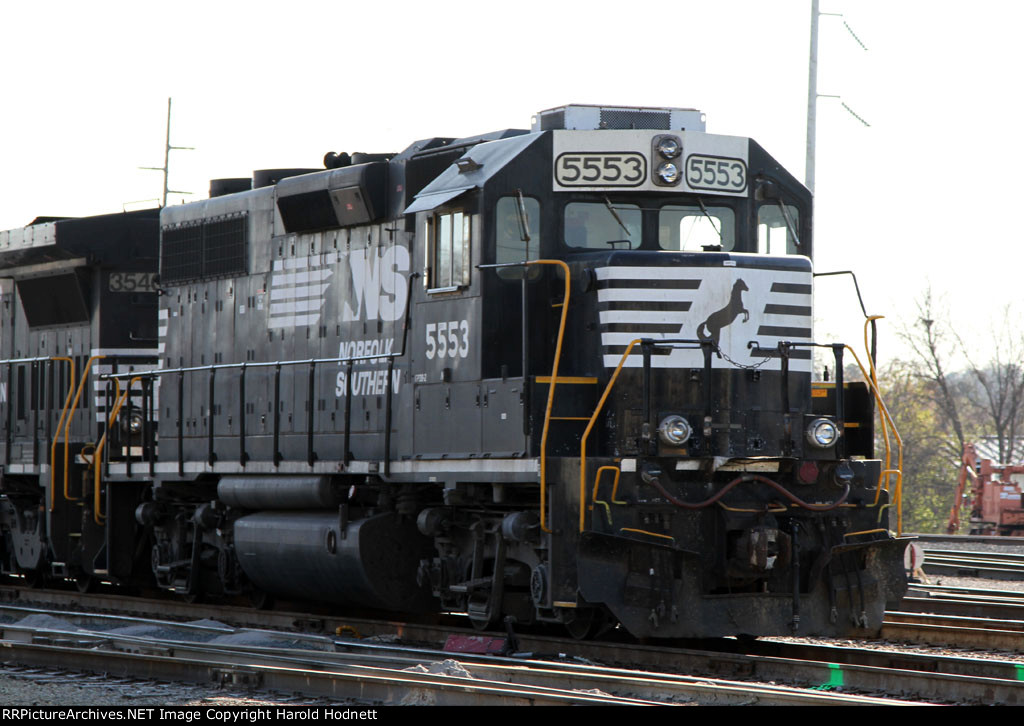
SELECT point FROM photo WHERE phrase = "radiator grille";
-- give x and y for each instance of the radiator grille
(209, 249)
(622, 119)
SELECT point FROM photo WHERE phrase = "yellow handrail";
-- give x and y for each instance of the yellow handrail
(887, 425)
(60, 423)
(899, 463)
(650, 534)
(67, 424)
(97, 458)
(551, 389)
(615, 483)
(615, 490)
(590, 426)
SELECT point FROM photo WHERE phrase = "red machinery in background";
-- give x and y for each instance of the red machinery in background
(996, 504)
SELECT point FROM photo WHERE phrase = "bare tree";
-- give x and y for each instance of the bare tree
(987, 398)
(999, 395)
(933, 343)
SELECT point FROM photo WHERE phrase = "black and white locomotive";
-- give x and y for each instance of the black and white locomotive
(561, 375)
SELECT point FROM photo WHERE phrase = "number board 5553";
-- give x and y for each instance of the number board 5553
(716, 173)
(600, 169)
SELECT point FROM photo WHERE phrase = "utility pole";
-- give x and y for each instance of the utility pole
(167, 157)
(812, 91)
(812, 99)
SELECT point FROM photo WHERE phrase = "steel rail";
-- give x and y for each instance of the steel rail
(863, 670)
(541, 682)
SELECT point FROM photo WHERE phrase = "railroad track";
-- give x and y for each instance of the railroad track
(929, 541)
(965, 563)
(642, 673)
(364, 672)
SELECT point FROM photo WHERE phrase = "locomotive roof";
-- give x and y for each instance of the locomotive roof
(471, 171)
(101, 238)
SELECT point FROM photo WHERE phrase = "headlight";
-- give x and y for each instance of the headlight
(668, 173)
(674, 430)
(822, 433)
(669, 147)
(132, 424)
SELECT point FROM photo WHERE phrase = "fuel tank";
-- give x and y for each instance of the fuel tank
(369, 562)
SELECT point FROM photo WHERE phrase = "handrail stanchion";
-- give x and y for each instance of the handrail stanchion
(241, 417)
(310, 391)
(277, 415)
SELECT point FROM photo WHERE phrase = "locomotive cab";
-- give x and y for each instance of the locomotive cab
(686, 446)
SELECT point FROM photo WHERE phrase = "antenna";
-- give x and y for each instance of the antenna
(167, 158)
(812, 90)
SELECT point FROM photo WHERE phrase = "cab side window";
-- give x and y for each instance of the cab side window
(778, 229)
(448, 237)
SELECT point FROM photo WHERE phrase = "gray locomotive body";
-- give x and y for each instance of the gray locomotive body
(562, 375)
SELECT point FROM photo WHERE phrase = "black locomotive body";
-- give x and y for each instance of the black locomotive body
(79, 299)
(561, 375)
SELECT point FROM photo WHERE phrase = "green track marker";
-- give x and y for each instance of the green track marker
(835, 677)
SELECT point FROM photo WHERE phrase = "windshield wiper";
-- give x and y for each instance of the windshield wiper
(789, 223)
(608, 203)
(524, 220)
(711, 219)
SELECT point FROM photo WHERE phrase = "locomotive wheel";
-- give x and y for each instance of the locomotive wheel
(34, 578)
(482, 625)
(584, 623)
(85, 582)
(261, 599)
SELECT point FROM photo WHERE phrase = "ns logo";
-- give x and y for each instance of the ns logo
(373, 286)
(378, 284)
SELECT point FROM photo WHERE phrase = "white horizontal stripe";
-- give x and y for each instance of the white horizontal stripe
(292, 263)
(124, 351)
(650, 317)
(648, 273)
(293, 306)
(625, 339)
(286, 293)
(292, 321)
(788, 321)
(299, 278)
(636, 294)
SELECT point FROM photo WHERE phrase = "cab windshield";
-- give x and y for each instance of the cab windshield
(593, 225)
(694, 228)
(680, 227)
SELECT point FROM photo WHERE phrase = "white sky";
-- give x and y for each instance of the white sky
(922, 195)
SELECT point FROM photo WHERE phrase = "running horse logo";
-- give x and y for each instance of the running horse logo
(711, 329)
